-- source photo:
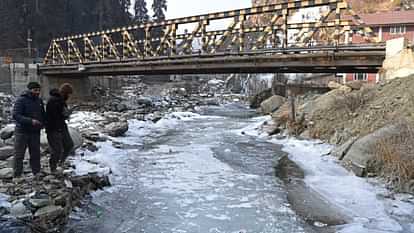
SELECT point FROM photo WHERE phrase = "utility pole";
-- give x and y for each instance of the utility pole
(29, 43)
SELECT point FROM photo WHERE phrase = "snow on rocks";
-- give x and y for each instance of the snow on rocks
(117, 129)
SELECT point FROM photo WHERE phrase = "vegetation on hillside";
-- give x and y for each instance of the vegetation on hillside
(42, 20)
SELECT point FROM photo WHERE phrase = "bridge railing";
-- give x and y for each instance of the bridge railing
(335, 25)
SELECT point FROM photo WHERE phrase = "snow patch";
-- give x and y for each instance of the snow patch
(354, 195)
(85, 120)
(103, 162)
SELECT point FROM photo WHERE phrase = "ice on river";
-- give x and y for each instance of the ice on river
(178, 170)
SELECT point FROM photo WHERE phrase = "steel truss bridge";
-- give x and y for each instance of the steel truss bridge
(264, 39)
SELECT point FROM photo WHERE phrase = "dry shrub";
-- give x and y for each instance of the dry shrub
(354, 100)
(394, 158)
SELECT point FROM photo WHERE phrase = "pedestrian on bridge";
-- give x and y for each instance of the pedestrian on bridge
(60, 142)
(29, 115)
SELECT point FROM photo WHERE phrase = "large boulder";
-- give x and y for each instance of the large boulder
(117, 129)
(334, 85)
(49, 212)
(74, 134)
(272, 104)
(144, 101)
(362, 152)
(355, 85)
(6, 173)
(6, 152)
(341, 150)
(256, 100)
(76, 137)
(7, 132)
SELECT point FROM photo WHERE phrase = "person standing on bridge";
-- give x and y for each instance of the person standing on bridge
(30, 117)
(58, 136)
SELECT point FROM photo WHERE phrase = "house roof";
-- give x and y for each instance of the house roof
(390, 17)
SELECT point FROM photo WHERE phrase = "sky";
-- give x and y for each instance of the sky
(183, 8)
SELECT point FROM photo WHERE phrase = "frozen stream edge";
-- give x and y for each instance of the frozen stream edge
(360, 198)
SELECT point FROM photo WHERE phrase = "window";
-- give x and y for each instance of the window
(398, 29)
(360, 77)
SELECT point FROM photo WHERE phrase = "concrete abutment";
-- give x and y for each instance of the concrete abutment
(81, 85)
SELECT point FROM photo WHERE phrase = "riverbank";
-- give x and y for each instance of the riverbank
(371, 126)
(359, 205)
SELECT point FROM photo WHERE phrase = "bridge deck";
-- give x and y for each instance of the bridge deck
(356, 59)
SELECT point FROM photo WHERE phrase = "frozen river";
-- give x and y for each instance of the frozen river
(203, 173)
(198, 175)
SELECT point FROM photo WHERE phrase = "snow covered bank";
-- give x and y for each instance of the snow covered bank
(361, 199)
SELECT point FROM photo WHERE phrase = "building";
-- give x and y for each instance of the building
(387, 25)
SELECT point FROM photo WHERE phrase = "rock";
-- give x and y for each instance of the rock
(76, 137)
(117, 129)
(50, 212)
(39, 203)
(362, 153)
(355, 85)
(19, 210)
(6, 173)
(121, 107)
(334, 85)
(345, 89)
(6, 152)
(7, 132)
(144, 101)
(340, 151)
(272, 104)
(256, 100)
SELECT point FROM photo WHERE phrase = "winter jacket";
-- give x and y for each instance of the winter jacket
(26, 109)
(56, 112)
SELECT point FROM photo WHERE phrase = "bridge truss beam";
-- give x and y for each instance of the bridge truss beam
(167, 39)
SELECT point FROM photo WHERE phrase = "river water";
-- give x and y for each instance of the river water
(196, 175)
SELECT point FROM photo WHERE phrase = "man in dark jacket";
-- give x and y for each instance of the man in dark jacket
(29, 114)
(60, 142)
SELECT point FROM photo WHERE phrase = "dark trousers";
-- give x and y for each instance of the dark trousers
(60, 145)
(22, 141)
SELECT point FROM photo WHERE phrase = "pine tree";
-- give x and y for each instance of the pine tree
(159, 6)
(141, 11)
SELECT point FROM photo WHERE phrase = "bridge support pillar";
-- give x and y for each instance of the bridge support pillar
(81, 85)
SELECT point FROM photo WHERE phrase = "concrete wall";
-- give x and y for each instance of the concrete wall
(5, 79)
(20, 75)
